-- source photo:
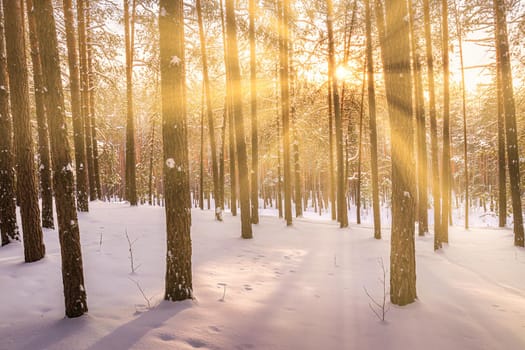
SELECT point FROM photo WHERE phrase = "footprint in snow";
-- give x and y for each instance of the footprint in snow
(247, 287)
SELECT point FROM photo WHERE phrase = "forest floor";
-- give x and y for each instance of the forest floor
(298, 287)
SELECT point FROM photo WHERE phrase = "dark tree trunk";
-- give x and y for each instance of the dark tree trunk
(510, 119)
(253, 110)
(176, 165)
(229, 116)
(84, 96)
(333, 205)
(91, 93)
(68, 230)
(502, 176)
(446, 171)
(421, 139)
(464, 110)
(209, 114)
(233, 63)
(46, 188)
(372, 122)
(34, 248)
(360, 149)
(78, 131)
(151, 161)
(342, 212)
(284, 69)
(397, 58)
(131, 182)
(436, 190)
(8, 225)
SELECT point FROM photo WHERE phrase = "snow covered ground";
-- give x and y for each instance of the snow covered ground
(299, 287)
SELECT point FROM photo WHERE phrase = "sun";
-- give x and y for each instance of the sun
(343, 72)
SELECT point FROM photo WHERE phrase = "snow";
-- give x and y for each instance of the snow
(175, 61)
(298, 287)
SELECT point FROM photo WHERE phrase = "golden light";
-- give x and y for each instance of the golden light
(343, 73)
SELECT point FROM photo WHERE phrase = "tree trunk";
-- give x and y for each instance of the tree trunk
(510, 119)
(8, 225)
(176, 165)
(78, 131)
(397, 58)
(421, 139)
(46, 187)
(253, 110)
(242, 161)
(210, 117)
(446, 171)
(464, 110)
(436, 190)
(333, 205)
(34, 248)
(131, 182)
(84, 95)
(502, 180)
(360, 149)
(284, 44)
(91, 96)
(372, 122)
(151, 160)
(68, 230)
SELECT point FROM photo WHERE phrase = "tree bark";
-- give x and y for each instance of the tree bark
(233, 63)
(8, 225)
(342, 212)
(397, 58)
(372, 121)
(421, 139)
(284, 66)
(510, 120)
(78, 131)
(34, 248)
(502, 176)
(253, 109)
(209, 114)
(446, 171)
(46, 188)
(84, 96)
(131, 182)
(91, 96)
(176, 166)
(68, 230)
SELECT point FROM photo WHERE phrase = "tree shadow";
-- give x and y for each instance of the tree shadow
(125, 336)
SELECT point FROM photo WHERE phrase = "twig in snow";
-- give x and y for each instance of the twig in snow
(130, 245)
(148, 300)
(379, 308)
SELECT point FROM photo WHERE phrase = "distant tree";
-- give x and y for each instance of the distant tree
(131, 182)
(209, 115)
(511, 131)
(252, 9)
(8, 225)
(372, 120)
(284, 69)
(342, 212)
(502, 173)
(446, 169)
(78, 130)
(421, 136)
(176, 166)
(85, 95)
(436, 189)
(68, 230)
(233, 63)
(91, 96)
(34, 248)
(46, 187)
(396, 48)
